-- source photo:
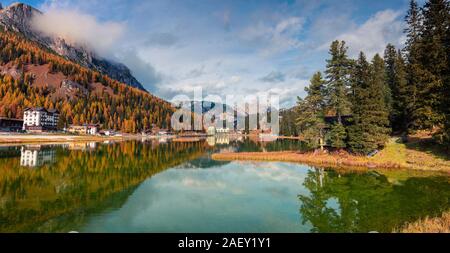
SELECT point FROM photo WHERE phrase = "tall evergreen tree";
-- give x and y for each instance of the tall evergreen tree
(337, 86)
(413, 30)
(337, 136)
(369, 129)
(390, 55)
(288, 124)
(360, 81)
(378, 110)
(311, 111)
(433, 60)
(445, 101)
(413, 68)
(396, 80)
(400, 96)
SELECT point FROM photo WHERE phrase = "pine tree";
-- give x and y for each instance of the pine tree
(390, 57)
(413, 30)
(379, 110)
(445, 100)
(337, 86)
(396, 80)
(369, 129)
(360, 81)
(433, 60)
(337, 136)
(311, 112)
(413, 68)
(400, 96)
(288, 124)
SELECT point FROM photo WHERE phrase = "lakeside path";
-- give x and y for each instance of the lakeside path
(416, 155)
(56, 138)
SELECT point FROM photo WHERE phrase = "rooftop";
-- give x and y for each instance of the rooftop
(5, 118)
(41, 109)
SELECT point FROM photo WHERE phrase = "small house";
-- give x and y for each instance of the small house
(86, 129)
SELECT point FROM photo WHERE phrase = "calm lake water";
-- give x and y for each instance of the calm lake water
(175, 187)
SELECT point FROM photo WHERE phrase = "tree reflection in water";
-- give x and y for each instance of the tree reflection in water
(58, 196)
(365, 202)
(60, 188)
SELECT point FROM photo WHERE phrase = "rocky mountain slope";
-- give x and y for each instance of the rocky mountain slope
(33, 76)
(17, 18)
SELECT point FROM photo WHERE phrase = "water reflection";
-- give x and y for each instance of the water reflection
(229, 197)
(267, 197)
(224, 139)
(364, 202)
(83, 146)
(57, 196)
(236, 143)
(34, 156)
(175, 187)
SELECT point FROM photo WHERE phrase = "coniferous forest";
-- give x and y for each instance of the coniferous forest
(89, 97)
(357, 104)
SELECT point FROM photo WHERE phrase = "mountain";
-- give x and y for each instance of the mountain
(17, 18)
(230, 114)
(32, 75)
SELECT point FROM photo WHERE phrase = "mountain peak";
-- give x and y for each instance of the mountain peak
(17, 6)
(17, 17)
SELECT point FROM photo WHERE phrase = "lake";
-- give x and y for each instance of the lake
(159, 186)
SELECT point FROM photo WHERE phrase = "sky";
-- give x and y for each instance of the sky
(245, 47)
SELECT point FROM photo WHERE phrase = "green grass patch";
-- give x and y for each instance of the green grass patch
(393, 152)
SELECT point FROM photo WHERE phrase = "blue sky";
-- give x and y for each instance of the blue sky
(230, 46)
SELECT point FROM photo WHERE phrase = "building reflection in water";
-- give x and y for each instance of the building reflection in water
(223, 139)
(35, 156)
(83, 146)
(218, 140)
(211, 140)
(162, 140)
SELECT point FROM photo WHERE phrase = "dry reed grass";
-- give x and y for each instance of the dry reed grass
(417, 155)
(321, 159)
(428, 225)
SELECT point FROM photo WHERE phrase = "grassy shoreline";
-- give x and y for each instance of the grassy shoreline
(55, 138)
(322, 159)
(428, 225)
(417, 155)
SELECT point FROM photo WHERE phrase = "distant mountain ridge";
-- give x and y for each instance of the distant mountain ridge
(17, 18)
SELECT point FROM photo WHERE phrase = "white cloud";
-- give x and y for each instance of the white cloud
(235, 79)
(144, 71)
(227, 49)
(275, 38)
(80, 29)
(274, 77)
(372, 36)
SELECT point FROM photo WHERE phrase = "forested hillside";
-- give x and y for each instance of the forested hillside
(32, 76)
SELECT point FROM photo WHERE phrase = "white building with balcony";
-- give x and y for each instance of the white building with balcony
(222, 131)
(40, 120)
